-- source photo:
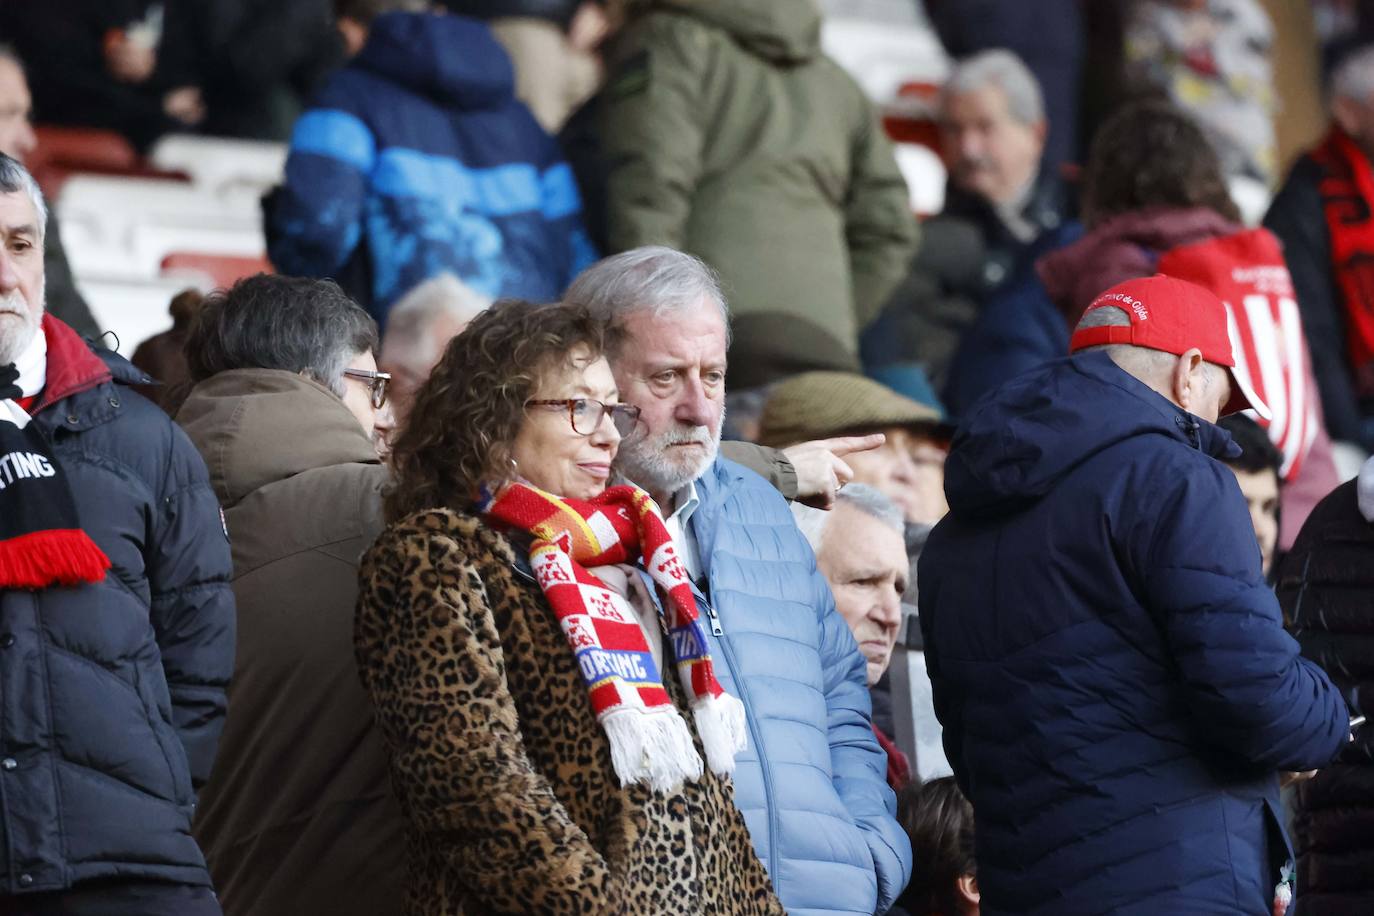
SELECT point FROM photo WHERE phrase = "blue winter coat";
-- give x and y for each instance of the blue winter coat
(1112, 674)
(112, 695)
(812, 785)
(416, 159)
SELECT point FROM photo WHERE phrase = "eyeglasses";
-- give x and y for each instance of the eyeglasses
(585, 414)
(376, 383)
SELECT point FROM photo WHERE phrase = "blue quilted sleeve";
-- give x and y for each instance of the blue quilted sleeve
(1251, 692)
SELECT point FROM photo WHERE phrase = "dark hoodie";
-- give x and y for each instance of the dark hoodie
(1112, 674)
(417, 159)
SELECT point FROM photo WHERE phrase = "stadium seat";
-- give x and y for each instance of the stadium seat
(220, 164)
(212, 270)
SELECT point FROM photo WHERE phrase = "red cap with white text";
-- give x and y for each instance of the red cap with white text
(1174, 316)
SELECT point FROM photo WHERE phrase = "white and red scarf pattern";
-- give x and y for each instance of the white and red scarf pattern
(649, 740)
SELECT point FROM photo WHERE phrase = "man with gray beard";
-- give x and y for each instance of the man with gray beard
(812, 784)
(112, 680)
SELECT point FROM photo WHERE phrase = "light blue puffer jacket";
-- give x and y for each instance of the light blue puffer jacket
(812, 785)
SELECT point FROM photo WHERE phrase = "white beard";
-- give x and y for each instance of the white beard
(645, 460)
(18, 324)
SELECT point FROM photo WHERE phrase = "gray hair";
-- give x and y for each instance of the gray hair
(650, 278)
(1003, 69)
(14, 178)
(410, 319)
(1353, 77)
(266, 321)
(860, 496)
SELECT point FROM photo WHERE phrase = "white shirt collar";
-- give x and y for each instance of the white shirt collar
(685, 502)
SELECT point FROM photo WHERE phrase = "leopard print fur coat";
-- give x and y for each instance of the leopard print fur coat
(497, 758)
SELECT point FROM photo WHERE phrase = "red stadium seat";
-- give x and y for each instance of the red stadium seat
(219, 270)
(64, 151)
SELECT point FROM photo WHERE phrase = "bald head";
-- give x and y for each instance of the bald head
(1188, 381)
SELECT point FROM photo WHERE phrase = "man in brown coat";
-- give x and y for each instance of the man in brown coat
(297, 816)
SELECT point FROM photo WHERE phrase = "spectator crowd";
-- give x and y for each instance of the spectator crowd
(617, 499)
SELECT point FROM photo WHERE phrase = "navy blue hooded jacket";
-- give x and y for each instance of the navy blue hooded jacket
(112, 695)
(1112, 674)
(417, 159)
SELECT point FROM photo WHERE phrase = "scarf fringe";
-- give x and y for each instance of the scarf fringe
(651, 746)
(723, 729)
(60, 556)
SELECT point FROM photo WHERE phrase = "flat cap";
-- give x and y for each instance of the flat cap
(817, 405)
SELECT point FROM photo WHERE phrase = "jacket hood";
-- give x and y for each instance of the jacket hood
(784, 31)
(1123, 248)
(255, 427)
(451, 59)
(1019, 442)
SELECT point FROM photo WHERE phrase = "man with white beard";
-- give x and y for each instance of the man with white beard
(116, 619)
(812, 784)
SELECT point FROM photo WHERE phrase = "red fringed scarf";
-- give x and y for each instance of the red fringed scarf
(1347, 192)
(649, 741)
(41, 542)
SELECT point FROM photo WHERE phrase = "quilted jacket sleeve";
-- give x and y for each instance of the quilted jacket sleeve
(315, 219)
(858, 763)
(1251, 693)
(457, 756)
(193, 616)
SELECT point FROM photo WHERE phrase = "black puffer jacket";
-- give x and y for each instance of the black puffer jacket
(112, 695)
(1325, 585)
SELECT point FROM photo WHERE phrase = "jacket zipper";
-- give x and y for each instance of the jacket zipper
(769, 808)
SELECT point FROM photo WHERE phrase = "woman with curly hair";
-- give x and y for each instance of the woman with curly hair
(557, 737)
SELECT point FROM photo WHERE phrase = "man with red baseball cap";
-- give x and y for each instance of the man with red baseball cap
(1118, 694)
(1181, 318)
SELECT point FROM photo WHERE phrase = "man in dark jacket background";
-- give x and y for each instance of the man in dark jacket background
(1117, 692)
(112, 694)
(1005, 205)
(416, 159)
(1322, 215)
(1324, 587)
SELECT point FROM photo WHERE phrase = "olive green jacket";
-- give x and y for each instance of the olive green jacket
(728, 134)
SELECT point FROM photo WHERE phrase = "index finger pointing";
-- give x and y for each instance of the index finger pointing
(845, 445)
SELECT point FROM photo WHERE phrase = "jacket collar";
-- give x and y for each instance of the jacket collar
(72, 366)
(255, 427)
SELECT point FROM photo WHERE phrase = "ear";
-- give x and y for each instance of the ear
(967, 886)
(1187, 380)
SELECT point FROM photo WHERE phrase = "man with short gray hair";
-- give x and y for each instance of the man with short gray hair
(811, 785)
(860, 549)
(419, 327)
(284, 407)
(112, 676)
(1118, 694)
(1322, 215)
(1003, 208)
(18, 140)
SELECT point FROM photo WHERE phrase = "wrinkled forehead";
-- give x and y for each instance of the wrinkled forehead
(679, 337)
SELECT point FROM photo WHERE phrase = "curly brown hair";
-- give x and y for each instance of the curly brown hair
(1151, 154)
(459, 433)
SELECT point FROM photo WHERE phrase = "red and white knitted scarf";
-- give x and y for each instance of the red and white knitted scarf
(650, 742)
